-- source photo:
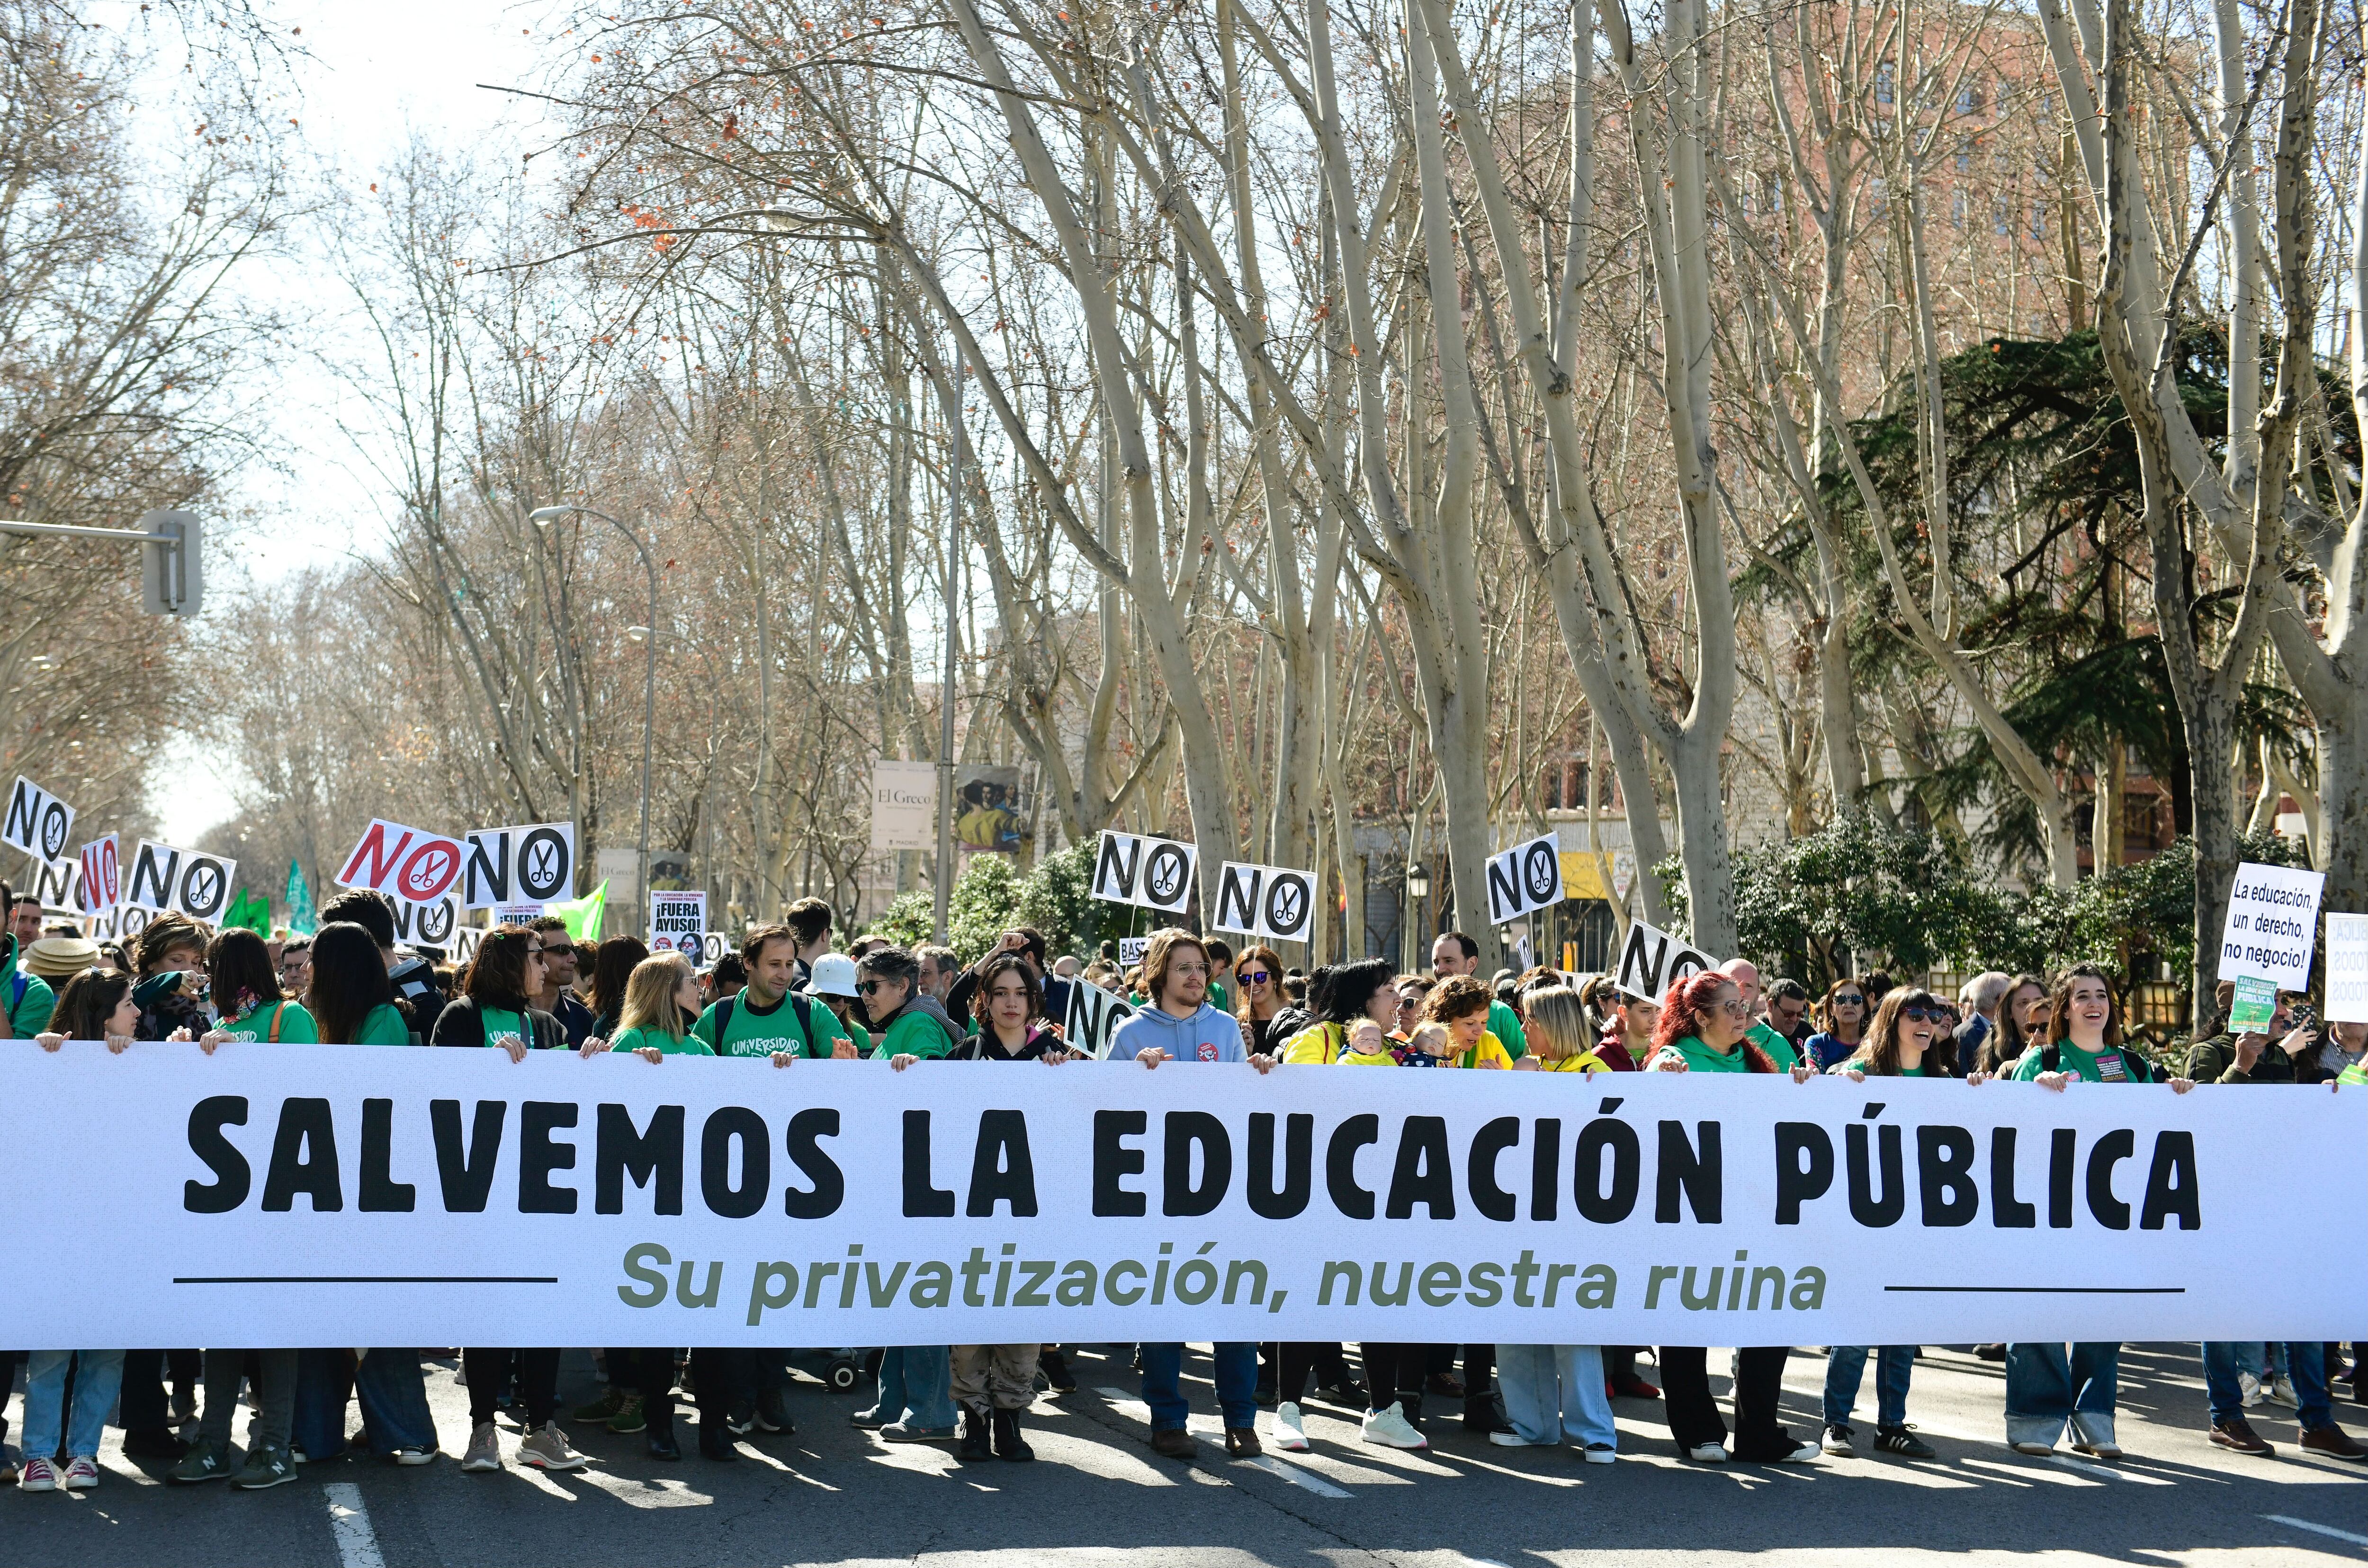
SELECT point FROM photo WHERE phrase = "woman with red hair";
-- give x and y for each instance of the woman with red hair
(1701, 1029)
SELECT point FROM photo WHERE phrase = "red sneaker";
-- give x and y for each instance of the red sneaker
(1628, 1386)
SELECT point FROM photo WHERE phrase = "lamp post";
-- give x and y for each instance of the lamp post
(542, 518)
(1417, 888)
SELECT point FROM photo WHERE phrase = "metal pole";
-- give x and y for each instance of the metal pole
(649, 717)
(945, 876)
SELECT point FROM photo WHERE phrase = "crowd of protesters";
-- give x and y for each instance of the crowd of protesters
(788, 994)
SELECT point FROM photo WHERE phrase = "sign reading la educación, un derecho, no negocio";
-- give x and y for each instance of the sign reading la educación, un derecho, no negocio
(356, 1194)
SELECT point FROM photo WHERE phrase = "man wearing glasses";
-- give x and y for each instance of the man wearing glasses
(558, 949)
(905, 1022)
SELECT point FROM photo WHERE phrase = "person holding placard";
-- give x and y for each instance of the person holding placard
(1704, 1028)
(2047, 1386)
(1553, 1391)
(1904, 1041)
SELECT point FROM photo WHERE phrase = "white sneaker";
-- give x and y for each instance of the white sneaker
(1707, 1453)
(2282, 1392)
(1509, 1439)
(408, 1456)
(1600, 1453)
(1392, 1429)
(2249, 1388)
(1290, 1435)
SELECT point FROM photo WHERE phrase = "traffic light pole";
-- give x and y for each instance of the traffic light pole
(171, 577)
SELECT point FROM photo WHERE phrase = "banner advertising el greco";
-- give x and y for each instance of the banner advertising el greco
(358, 1195)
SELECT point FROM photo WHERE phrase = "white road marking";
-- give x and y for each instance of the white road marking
(2068, 1462)
(2290, 1521)
(1274, 1465)
(349, 1521)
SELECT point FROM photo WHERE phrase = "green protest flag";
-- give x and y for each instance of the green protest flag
(248, 911)
(581, 914)
(302, 921)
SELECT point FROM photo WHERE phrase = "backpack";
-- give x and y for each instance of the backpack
(2050, 1059)
(798, 1001)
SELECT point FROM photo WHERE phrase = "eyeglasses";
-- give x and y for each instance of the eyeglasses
(1255, 977)
(1736, 1007)
(1915, 1015)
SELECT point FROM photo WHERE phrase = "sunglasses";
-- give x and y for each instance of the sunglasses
(1253, 977)
(1850, 1000)
(1915, 1015)
(866, 988)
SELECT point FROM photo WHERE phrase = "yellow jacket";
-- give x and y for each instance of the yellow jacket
(1319, 1045)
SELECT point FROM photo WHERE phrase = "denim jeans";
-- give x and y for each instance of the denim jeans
(917, 1379)
(1236, 1365)
(99, 1373)
(1846, 1367)
(1553, 1391)
(393, 1395)
(2044, 1388)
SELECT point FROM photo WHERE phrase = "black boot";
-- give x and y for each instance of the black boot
(973, 1444)
(1055, 1368)
(660, 1431)
(1008, 1444)
(714, 1438)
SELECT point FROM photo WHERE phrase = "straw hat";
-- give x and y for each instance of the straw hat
(61, 957)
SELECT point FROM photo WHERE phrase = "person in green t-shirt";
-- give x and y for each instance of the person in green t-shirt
(1702, 1028)
(30, 998)
(767, 1018)
(1907, 1040)
(353, 1000)
(1763, 1034)
(904, 1021)
(245, 985)
(2046, 1387)
(654, 1017)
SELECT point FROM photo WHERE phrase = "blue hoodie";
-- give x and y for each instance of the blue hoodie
(1207, 1036)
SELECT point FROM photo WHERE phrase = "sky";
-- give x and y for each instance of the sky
(371, 76)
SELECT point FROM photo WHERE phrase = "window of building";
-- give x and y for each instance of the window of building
(1957, 208)
(1885, 85)
(1969, 97)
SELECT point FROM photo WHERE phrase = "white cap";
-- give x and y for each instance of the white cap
(833, 974)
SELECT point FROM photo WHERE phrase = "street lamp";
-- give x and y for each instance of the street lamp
(1417, 888)
(542, 518)
(1417, 881)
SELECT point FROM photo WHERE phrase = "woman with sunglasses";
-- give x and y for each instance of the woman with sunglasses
(1907, 1040)
(1844, 1016)
(1258, 980)
(1703, 1029)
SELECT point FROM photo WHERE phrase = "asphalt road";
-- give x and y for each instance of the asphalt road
(834, 1494)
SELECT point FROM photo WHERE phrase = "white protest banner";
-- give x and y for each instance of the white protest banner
(1274, 902)
(58, 884)
(464, 942)
(2272, 924)
(1156, 873)
(679, 923)
(510, 866)
(904, 805)
(2347, 969)
(1526, 877)
(102, 874)
(409, 865)
(429, 925)
(516, 913)
(348, 1194)
(179, 880)
(1131, 950)
(1653, 959)
(36, 821)
(1093, 1014)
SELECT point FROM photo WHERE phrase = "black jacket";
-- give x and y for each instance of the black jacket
(463, 1023)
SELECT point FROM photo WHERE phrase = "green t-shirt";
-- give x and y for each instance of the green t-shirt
(912, 1034)
(1701, 1057)
(2105, 1066)
(754, 1032)
(31, 1013)
(1221, 997)
(295, 1024)
(499, 1022)
(645, 1034)
(1506, 1025)
(383, 1026)
(1780, 1050)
